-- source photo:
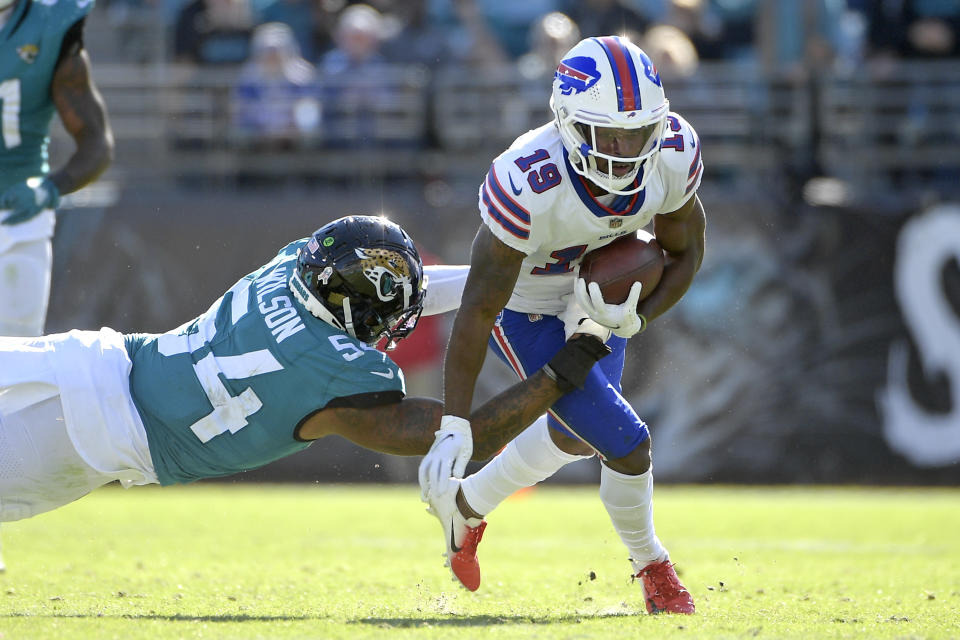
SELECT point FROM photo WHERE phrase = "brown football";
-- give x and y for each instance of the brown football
(616, 266)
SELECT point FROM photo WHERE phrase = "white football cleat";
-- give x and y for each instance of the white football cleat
(461, 539)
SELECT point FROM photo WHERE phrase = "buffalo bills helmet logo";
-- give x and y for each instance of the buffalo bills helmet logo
(577, 74)
(650, 69)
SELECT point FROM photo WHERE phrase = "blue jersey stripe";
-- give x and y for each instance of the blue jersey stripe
(502, 219)
(505, 200)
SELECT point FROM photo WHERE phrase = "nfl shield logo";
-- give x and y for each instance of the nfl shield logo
(616, 223)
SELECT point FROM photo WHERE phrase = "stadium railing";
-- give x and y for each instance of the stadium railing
(171, 120)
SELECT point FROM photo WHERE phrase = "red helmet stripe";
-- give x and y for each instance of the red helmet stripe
(624, 71)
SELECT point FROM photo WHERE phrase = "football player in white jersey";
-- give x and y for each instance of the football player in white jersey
(614, 159)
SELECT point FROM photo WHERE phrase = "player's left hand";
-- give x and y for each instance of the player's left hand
(26, 199)
(622, 319)
(451, 450)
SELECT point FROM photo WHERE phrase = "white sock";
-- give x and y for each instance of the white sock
(629, 501)
(526, 460)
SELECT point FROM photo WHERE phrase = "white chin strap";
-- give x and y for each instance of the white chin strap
(314, 306)
(6, 4)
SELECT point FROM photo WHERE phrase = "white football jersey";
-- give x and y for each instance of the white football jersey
(536, 203)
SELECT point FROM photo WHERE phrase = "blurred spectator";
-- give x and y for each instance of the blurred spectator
(671, 50)
(356, 84)
(213, 32)
(553, 35)
(718, 29)
(274, 101)
(357, 39)
(299, 15)
(605, 17)
(550, 37)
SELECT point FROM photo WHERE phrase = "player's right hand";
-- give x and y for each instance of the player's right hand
(622, 319)
(452, 449)
(26, 199)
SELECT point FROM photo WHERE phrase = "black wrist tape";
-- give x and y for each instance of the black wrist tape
(573, 362)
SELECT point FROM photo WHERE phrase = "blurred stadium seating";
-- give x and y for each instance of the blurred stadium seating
(171, 121)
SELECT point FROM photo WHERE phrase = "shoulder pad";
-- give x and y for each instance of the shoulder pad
(681, 163)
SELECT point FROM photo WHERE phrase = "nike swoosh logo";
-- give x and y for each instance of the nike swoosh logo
(453, 542)
(388, 374)
(516, 191)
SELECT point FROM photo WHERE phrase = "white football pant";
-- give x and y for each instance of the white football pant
(25, 287)
(40, 469)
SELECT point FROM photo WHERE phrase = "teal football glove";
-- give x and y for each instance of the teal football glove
(28, 198)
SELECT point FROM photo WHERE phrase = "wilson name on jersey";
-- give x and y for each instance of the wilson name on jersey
(225, 392)
(30, 45)
(535, 202)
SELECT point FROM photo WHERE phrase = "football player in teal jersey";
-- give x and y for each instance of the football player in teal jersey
(43, 67)
(285, 357)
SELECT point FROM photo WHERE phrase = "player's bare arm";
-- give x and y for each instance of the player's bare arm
(681, 234)
(407, 427)
(84, 116)
(494, 268)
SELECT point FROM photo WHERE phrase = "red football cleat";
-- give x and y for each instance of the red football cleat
(662, 589)
(460, 538)
(463, 559)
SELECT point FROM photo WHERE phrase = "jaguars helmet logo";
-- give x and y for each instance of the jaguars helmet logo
(387, 270)
(28, 53)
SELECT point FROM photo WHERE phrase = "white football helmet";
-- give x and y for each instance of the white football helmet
(609, 83)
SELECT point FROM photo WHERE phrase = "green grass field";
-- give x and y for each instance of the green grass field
(213, 561)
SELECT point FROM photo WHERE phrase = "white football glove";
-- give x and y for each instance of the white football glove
(622, 319)
(448, 456)
(576, 320)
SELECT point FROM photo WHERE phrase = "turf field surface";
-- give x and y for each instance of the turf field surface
(247, 561)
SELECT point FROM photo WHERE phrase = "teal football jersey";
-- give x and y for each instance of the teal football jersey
(29, 49)
(225, 392)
